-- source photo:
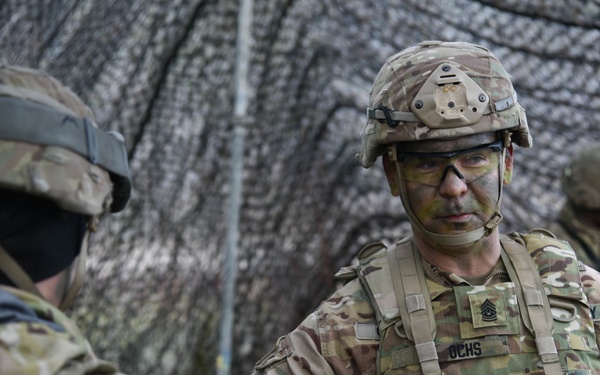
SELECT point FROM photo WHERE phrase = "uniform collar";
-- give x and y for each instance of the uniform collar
(448, 279)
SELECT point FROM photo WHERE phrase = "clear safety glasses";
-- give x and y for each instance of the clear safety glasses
(431, 168)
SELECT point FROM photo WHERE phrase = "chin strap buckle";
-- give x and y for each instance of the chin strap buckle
(507, 138)
(493, 223)
(392, 153)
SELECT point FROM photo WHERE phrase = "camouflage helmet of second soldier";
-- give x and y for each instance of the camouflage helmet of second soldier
(51, 147)
(580, 180)
(436, 91)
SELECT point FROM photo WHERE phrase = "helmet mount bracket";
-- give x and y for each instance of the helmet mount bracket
(449, 98)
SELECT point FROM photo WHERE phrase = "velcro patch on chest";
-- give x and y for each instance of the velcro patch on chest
(485, 311)
(473, 349)
(455, 351)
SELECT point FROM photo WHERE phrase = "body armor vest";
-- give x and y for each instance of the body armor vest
(535, 321)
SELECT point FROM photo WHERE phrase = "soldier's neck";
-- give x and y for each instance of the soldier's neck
(473, 260)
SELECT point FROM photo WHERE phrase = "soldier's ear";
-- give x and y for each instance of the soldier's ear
(390, 173)
(508, 165)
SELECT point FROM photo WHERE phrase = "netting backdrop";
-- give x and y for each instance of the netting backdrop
(161, 72)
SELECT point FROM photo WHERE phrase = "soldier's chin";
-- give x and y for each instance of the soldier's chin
(450, 228)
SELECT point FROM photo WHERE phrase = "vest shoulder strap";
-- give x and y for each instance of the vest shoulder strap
(410, 286)
(532, 300)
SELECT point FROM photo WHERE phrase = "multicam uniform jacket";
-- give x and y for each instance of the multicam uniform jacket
(38, 339)
(479, 327)
(584, 239)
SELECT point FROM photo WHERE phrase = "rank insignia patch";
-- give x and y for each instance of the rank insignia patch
(488, 309)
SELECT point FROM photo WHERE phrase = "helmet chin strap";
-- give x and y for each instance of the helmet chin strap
(452, 239)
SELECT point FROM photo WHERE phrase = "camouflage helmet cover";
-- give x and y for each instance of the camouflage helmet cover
(580, 180)
(30, 101)
(440, 90)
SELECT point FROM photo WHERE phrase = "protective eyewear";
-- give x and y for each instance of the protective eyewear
(431, 168)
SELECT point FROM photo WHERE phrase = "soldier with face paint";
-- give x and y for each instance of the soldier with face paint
(455, 297)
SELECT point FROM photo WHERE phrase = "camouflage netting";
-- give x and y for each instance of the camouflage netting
(161, 72)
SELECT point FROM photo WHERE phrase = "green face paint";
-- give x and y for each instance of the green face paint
(455, 206)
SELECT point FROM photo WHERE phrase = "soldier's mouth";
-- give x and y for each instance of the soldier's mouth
(457, 218)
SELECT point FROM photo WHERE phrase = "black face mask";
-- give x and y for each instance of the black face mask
(40, 236)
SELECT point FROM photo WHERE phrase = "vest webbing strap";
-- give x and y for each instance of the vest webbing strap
(533, 302)
(15, 273)
(416, 311)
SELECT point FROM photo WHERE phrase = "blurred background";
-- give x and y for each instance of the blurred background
(162, 73)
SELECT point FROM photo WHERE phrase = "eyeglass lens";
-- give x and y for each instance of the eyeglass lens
(430, 169)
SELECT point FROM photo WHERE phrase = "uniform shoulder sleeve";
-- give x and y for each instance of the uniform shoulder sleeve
(348, 330)
(296, 353)
(326, 341)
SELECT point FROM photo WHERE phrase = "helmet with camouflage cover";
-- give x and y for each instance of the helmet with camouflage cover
(580, 180)
(51, 147)
(441, 90)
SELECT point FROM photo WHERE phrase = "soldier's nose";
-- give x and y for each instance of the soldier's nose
(452, 182)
